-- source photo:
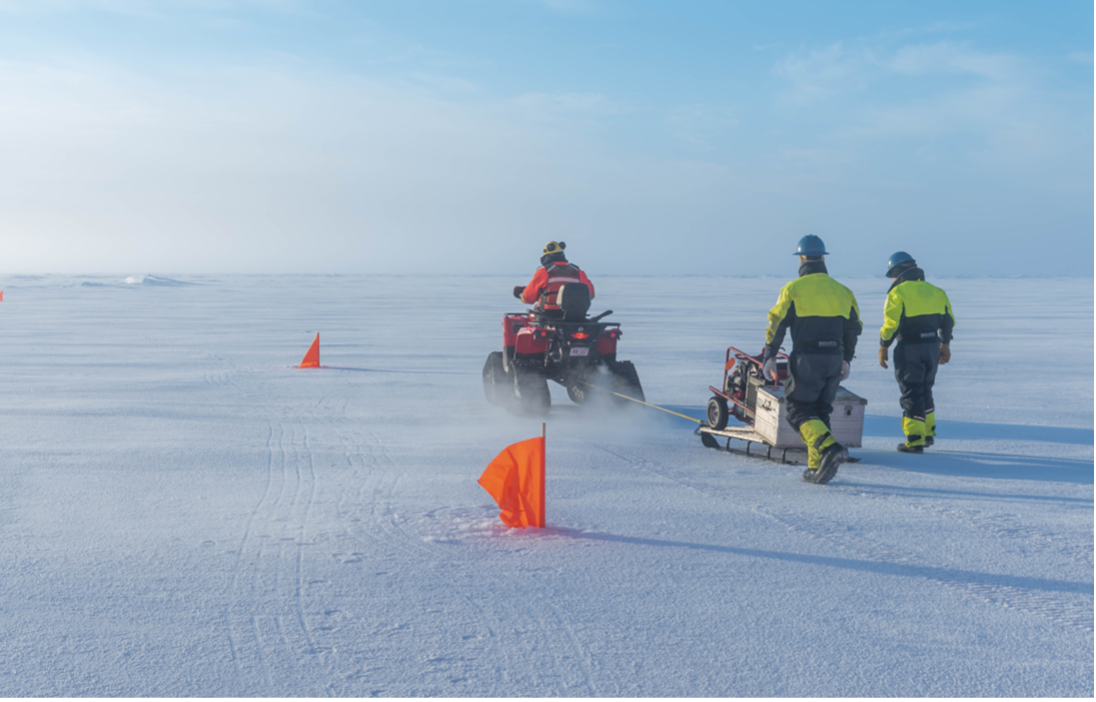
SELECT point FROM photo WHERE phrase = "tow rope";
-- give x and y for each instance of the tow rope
(645, 404)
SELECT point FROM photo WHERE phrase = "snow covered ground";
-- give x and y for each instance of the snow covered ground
(184, 513)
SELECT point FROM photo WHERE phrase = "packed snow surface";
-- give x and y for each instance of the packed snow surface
(183, 512)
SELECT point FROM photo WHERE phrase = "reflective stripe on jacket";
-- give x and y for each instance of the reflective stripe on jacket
(548, 280)
(916, 311)
(822, 314)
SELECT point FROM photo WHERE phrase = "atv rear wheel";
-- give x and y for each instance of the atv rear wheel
(626, 382)
(717, 413)
(498, 386)
(532, 395)
(577, 393)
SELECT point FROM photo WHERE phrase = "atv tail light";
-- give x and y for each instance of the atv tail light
(542, 334)
(580, 335)
(612, 334)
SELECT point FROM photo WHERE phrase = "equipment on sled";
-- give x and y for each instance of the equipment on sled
(564, 346)
(759, 403)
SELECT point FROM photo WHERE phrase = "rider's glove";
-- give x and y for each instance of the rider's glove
(518, 290)
(845, 370)
(768, 366)
(768, 369)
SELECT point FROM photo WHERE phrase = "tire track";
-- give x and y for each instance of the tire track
(511, 634)
(268, 630)
(377, 476)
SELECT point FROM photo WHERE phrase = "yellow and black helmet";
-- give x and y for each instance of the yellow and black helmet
(553, 248)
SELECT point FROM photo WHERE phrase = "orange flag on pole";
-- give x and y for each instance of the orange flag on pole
(516, 480)
(312, 358)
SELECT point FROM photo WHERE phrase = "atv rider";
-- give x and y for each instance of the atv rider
(825, 323)
(920, 316)
(554, 273)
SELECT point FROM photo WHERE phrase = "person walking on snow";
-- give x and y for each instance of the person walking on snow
(919, 315)
(554, 272)
(825, 322)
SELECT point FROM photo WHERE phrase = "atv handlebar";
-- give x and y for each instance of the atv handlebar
(598, 318)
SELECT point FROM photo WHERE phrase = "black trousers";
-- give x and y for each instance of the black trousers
(915, 369)
(811, 387)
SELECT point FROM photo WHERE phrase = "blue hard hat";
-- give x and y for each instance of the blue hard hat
(899, 259)
(812, 246)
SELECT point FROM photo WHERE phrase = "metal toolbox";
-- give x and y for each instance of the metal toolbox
(771, 420)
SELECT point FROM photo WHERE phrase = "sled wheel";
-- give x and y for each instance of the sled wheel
(497, 387)
(626, 382)
(533, 398)
(717, 413)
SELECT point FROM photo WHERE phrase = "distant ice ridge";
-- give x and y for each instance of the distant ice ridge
(153, 280)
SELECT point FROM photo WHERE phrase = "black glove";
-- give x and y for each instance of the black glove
(518, 290)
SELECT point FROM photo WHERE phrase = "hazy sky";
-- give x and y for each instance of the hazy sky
(458, 136)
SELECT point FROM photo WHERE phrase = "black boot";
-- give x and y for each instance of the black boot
(832, 457)
(910, 449)
(929, 441)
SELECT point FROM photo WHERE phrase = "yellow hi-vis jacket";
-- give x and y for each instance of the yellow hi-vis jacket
(916, 312)
(822, 314)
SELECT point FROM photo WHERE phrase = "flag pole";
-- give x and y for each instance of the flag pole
(543, 470)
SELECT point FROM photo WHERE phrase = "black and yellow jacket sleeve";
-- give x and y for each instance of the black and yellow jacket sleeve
(822, 314)
(916, 311)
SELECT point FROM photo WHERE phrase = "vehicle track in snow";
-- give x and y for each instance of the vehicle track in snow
(217, 372)
(508, 633)
(1068, 604)
(270, 639)
(372, 519)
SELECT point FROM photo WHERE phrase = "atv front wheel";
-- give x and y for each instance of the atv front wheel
(533, 397)
(498, 386)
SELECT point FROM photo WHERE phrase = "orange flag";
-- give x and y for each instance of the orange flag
(516, 480)
(312, 358)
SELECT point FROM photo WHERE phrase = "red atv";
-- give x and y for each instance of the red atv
(564, 346)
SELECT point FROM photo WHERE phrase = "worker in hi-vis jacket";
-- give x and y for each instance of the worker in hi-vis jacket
(919, 315)
(825, 322)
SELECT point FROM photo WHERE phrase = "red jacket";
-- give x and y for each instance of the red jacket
(550, 279)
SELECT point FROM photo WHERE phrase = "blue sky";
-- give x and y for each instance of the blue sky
(459, 136)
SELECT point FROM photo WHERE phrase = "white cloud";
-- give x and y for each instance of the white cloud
(1080, 56)
(819, 74)
(993, 103)
(946, 57)
(253, 170)
(836, 70)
